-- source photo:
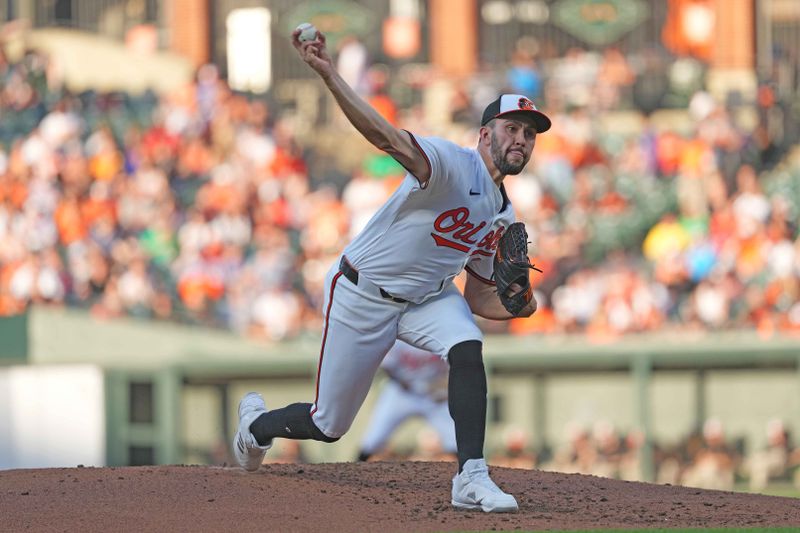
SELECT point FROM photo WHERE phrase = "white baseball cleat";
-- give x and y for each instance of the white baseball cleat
(474, 489)
(246, 449)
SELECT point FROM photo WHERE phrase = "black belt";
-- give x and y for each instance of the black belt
(352, 275)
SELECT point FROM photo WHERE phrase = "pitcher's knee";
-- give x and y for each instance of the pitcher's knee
(466, 354)
(319, 435)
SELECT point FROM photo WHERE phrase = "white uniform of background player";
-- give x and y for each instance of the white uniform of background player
(395, 281)
(417, 387)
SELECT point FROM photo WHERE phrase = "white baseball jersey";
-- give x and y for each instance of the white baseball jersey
(395, 278)
(417, 388)
(419, 371)
(422, 238)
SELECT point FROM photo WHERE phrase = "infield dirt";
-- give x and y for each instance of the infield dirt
(356, 497)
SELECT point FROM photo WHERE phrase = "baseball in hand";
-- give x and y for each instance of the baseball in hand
(307, 32)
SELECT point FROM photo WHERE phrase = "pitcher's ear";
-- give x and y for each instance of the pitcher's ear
(484, 133)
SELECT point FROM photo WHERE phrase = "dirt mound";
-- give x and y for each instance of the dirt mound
(347, 497)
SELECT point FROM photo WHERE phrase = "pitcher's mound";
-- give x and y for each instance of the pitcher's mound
(364, 497)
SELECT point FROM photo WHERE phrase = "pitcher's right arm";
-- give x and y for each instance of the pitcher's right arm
(377, 130)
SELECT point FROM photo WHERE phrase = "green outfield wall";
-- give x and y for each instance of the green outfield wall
(171, 390)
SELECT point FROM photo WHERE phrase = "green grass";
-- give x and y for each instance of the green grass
(682, 529)
(789, 492)
(774, 489)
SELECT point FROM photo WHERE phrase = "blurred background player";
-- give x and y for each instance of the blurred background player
(777, 460)
(417, 386)
(714, 463)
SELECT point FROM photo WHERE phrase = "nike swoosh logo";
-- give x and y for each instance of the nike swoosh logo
(473, 193)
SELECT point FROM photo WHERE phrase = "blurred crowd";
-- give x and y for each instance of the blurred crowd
(214, 208)
(706, 458)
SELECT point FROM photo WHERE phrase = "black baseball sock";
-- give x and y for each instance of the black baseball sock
(466, 399)
(292, 422)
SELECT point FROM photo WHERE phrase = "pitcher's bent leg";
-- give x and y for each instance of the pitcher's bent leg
(347, 367)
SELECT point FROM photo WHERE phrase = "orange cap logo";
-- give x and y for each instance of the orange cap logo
(526, 105)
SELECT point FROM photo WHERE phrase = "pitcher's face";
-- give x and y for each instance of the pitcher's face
(512, 145)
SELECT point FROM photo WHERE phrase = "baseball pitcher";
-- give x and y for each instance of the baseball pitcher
(395, 280)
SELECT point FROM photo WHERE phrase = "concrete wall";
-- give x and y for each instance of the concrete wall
(51, 416)
(750, 380)
(743, 400)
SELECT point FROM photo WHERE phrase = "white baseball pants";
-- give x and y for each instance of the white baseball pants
(359, 328)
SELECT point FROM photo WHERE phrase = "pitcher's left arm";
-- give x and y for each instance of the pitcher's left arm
(483, 301)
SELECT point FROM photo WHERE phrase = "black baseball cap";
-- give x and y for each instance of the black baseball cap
(508, 104)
